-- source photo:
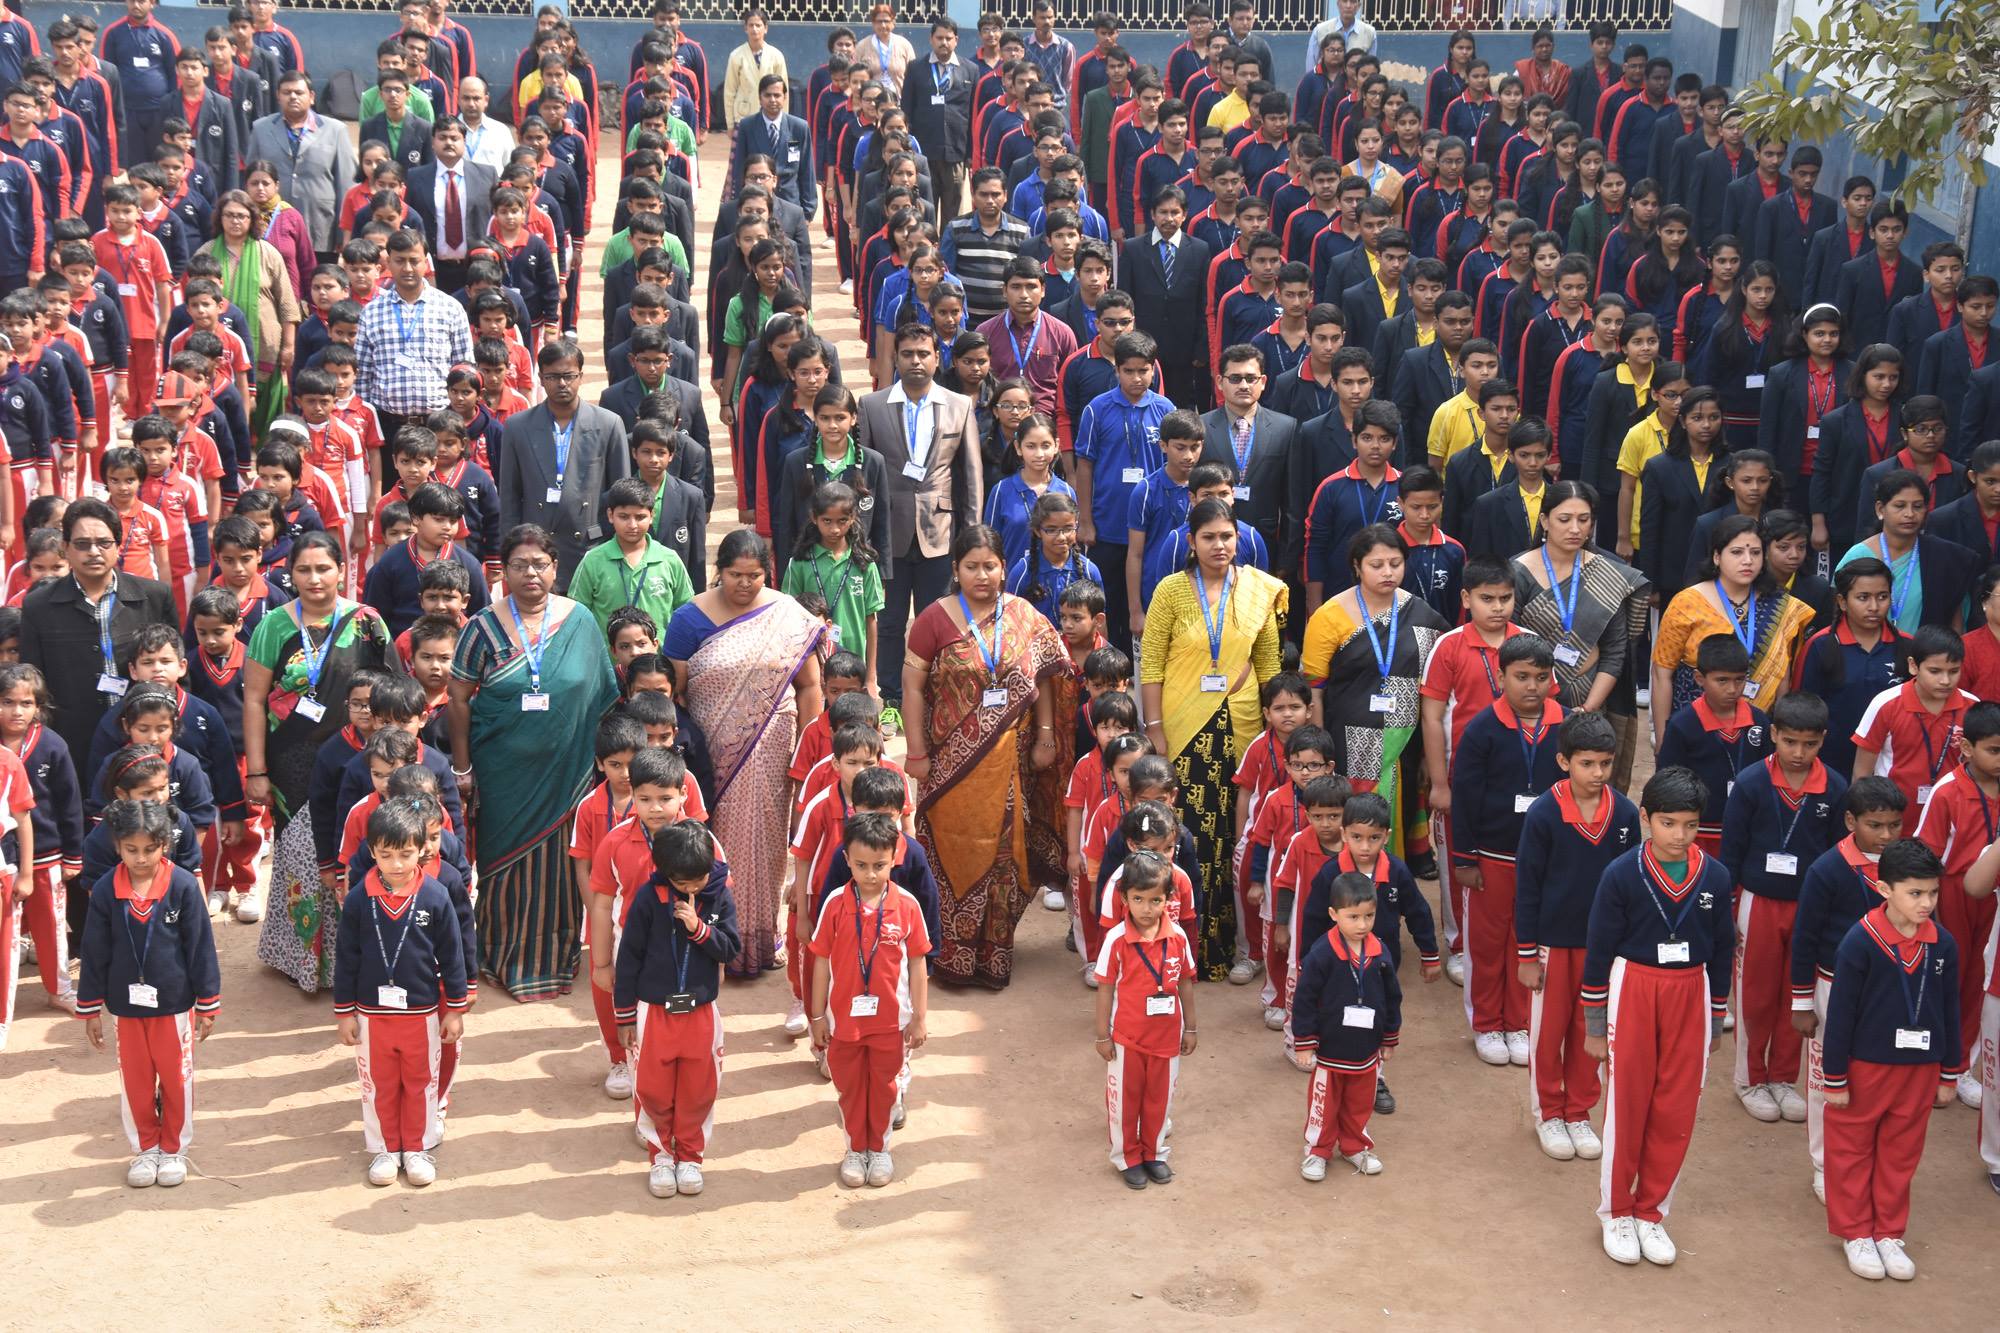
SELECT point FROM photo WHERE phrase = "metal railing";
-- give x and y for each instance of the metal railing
(1297, 16)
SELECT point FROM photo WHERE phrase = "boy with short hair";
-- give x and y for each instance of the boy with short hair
(632, 569)
(603, 808)
(238, 551)
(145, 291)
(1145, 1019)
(1347, 1016)
(427, 649)
(1361, 493)
(1322, 800)
(394, 584)
(1286, 702)
(1720, 733)
(1955, 824)
(172, 494)
(215, 629)
(1307, 753)
(1434, 566)
(1909, 732)
(855, 747)
(280, 469)
(1159, 507)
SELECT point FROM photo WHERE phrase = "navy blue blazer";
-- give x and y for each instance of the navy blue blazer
(1362, 304)
(1913, 322)
(1708, 188)
(1945, 368)
(1960, 522)
(1824, 258)
(1781, 413)
(1945, 487)
(1857, 290)
(1671, 503)
(1783, 240)
(1422, 385)
(1741, 202)
(1979, 418)
(1835, 494)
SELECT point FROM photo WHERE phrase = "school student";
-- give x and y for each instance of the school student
(1347, 1015)
(1145, 1019)
(1719, 733)
(1909, 732)
(1853, 660)
(603, 808)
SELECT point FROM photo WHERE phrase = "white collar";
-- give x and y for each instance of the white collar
(898, 395)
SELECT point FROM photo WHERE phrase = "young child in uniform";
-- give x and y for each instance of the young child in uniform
(1112, 799)
(1346, 1014)
(17, 802)
(856, 747)
(868, 1002)
(1286, 700)
(1322, 799)
(1659, 924)
(1151, 826)
(1111, 715)
(1781, 818)
(679, 932)
(1891, 1054)
(394, 1005)
(602, 808)
(843, 682)
(57, 836)
(1838, 890)
(215, 625)
(1910, 732)
(1503, 761)
(1308, 753)
(1571, 833)
(1145, 1019)
(149, 957)
(1720, 733)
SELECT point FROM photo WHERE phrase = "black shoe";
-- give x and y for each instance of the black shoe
(1994, 1180)
(1158, 1172)
(1385, 1100)
(1069, 940)
(1425, 866)
(1135, 1177)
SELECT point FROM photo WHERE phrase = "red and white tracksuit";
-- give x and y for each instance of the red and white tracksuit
(1338, 1104)
(1814, 1053)
(1495, 999)
(397, 1059)
(1562, 1078)
(1658, 1025)
(156, 1081)
(1138, 1099)
(865, 1069)
(677, 1072)
(1767, 1045)
(1873, 1145)
(44, 914)
(233, 869)
(1989, 1071)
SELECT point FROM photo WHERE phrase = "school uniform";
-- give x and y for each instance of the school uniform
(1498, 768)
(57, 820)
(1716, 749)
(1770, 833)
(355, 785)
(668, 979)
(1793, 405)
(1834, 666)
(323, 788)
(1398, 904)
(1963, 523)
(1499, 526)
(100, 851)
(1958, 823)
(1945, 368)
(395, 583)
(150, 960)
(449, 868)
(1146, 1033)
(398, 995)
(1831, 247)
(1838, 890)
(1979, 418)
(1651, 940)
(602, 837)
(1434, 571)
(911, 871)
(869, 1003)
(1343, 504)
(1469, 477)
(1345, 1012)
(1891, 1042)
(1848, 445)
(1786, 224)
(17, 802)
(1913, 747)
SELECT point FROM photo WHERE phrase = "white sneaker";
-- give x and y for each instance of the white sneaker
(687, 1176)
(1242, 972)
(847, 286)
(382, 1171)
(1656, 1245)
(661, 1180)
(1274, 1018)
(819, 1064)
(1585, 1139)
(1864, 1260)
(1621, 1240)
(881, 1169)
(898, 1116)
(1365, 1162)
(795, 1019)
(1819, 1185)
(64, 999)
(1643, 697)
(1454, 968)
(215, 903)
(1969, 1091)
(1790, 1105)
(144, 1169)
(1895, 1260)
(1729, 1022)
(419, 1168)
(1053, 900)
(173, 1169)
(250, 908)
(854, 1170)
(1554, 1135)
(1518, 1049)
(1759, 1102)
(619, 1082)
(1313, 1168)
(28, 948)
(1090, 976)
(1491, 1047)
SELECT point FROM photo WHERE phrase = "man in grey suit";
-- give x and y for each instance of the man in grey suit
(557, 458)
(313, 155)
(926, 436)
(1257, 443)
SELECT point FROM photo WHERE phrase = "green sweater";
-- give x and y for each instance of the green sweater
(619, 249)
(606, 584)
(419, 104)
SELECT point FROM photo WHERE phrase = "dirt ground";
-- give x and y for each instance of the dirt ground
(1005, 1213)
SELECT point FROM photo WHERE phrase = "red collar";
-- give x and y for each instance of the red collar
(444, 552)
(1593, 831)
(1552, 713)
(122, 886)
(1842, 634)
(392, 903)
(1650, 865)
(1437, 535)
(225, 671)
(1814, 784)
(29, 739)
(1903, 459)
(1347, 866)
(1907, 951)
(1371, 947)
(1351, 474)
(1710, 722)
(1859, 862)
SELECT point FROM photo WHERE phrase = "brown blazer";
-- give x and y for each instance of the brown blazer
(929, 513)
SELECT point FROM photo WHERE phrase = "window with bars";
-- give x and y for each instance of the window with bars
(481, 8)
(1437, 16)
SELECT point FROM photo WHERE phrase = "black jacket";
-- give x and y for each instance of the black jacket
(940, 123)
(657, 957)
(59, 635)
(1857, 290)
(414, 144)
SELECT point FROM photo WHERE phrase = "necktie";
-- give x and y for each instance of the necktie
(454, 215)
(1241, 433)
(1167, 260)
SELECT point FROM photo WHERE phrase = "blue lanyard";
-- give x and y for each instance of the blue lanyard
(390, 960)
(1673, 923)
(1566, 610)
(107, 607)
(1244, 454)
(1915, 1003)
(1899, 588)
(867, 960)
(683, 954)
(1214, 626)
(632, 581)
(1797, 815)
(533, 650)
(409, 314)
(1361, 489)
(1159, 975)
(139, 951)
(1020, 356)
(1745, 630)
(1385, 648)
(913, 413)
(840, 584)
(315, 662)
(992, 659)
(1531, 748)
(941, 76)
(1936, 759)
(562, 439)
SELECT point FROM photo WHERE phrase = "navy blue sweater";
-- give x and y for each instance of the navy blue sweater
(658, 957)
(220, 686)
(1759, 824)
(429, 962)
(1833, 897)
(187, 787)
(100, 852)
(58, 814)
(1559, 866)
(1840, 671)
(322, 789)
(200, 734)
(1689, 744)
(174, 940)
(356, 786)
(1492, 765)
(482, 510)
(1398, 902)
(1327, 986)
(393, 584)
(1874, 996)
(1631, 918)
(455, 873)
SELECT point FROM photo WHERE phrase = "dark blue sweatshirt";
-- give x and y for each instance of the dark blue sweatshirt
(100, 852)
(452, 871)
(1634, 915)
(1398, 902)
(394, 584)
(1691, 742)
(168, 946)
(356, 786)
(220, 684)
(322, 789)
(1328, 986)
(658, 957)
(203, 736)
(1877, 996)
(1767, 842)
(58, 814)
(1839, 889)
(1561, 862)
(1494, 766)
(429, 961)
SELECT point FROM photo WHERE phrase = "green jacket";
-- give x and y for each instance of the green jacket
(605, 584)
(1098, 108)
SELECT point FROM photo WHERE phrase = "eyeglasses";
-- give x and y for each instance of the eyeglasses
(1250, 377)
(530, 566)
(93, 543)
(1925, 428)
(561, 376)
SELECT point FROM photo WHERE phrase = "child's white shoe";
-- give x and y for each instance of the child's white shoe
(854, 1170)
(1819, 1186)
(173, 1169)
(419, 1168)
(1365, 1162)
(881, 1169)
(1790, 1105)
(795, 1020)
(662, 1182)
(687, 1177)
(382, 1171)
(1242, 972)
(1274, 1018)
(1621, 1240)
(898, 1115)
(1454, 969)
(1491, 1047)
(1554, 1135)
(1656, 1245)
(215, 903)
(1863, 1260)
(1895, 1260)
(1518, 1049)
(619, 1082)
(1052, 898)
(250, 908)
(1313, 1168)
(1759, 1102)
(1584, 1139)
(144, 1169)
(1969, 1091)
(1090, 975)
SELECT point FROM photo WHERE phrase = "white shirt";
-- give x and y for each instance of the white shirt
(488, 143)
(444, 173)
(920, 452)
(1361, 37)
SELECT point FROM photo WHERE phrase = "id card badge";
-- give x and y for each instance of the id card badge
(1213, 684)
(1243, 492)
(1569, 655)
(1522, 800)
(833, 633)
(1924, 795)
(914, 471)
(1780, 863)
(681, 1003)
(1753, 381)
(1133, 475)
(937, 99)
(130, 288)
(143, 996)
(993, 698)
(311, 709)
(1752, 688)
(1159, 1005)
(1812, 432)
(392, 997)
(110, 684)
(1675, 951)
(553, 495)
(792, 155)
(534, 703)
(1358, 1016)
(1381, 703)
(1907, 1039)
(864, 1006)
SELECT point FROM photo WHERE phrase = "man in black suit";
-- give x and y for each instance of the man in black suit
(1363, 304)
(1500, 527)
(1431, 376)
(1255, 442)
(407, 133)
(453, 198)
(938, 96)
(1784, 235)
(1166, 271)
(782, 137)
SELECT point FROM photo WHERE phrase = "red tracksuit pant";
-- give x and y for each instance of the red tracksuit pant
(1251, 935)
(864, 1073)
(677, 1071)
(1138, 1098)
(1562, 1078)
(1970, 922)
(156, 1061)
(1659, 1057)
(607, 1023)
(1083, 903)
(1873, 1145)
(1988, 1070)
(44, 915)
(142, 377)
(26, 487)
(397, 1060)
(233, 869)
(1767, 1045)
(1493, 988)
(1338, 1104)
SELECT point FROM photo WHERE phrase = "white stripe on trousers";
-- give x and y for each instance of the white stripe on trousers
(1535, 1040)
(1740, 1071)
(1989, 1078)
(10, 964)
(184, 1031)
(1114, 1105)
(1609, 1138)
(648, 1130)
(371, 1124)
(1816, 1079)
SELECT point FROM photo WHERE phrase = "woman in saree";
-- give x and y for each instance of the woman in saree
(746, 664)
(529, 682)
(298, 669)
(975, 664)
(1364, 653)
(1735, 596)
(1211, 642)
(256, 280)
